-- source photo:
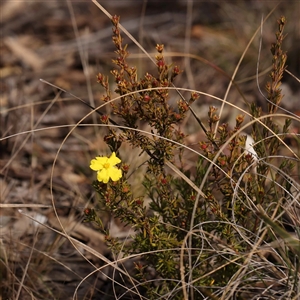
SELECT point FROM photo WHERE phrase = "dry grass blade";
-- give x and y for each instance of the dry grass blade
(287, 238)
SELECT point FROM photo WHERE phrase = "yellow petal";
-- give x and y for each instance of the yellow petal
(103, 176)
(114, 173)
(97, 164)
(113, 160)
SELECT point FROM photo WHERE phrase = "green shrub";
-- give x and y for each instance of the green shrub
(202, 235)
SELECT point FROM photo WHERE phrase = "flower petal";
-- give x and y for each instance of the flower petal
(97, 164)
(103, 176)
(113, 160)
(114, 173)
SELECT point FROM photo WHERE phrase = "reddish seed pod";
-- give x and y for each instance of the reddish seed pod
(164, 181)
(176, 70)
(160, 64)
(203, 146)
(147, 98)
(177, 116)
(125, 168)
(87, 211)
(104, 119)
(125, 189)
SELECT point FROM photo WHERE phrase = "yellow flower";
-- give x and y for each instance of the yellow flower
(106, 169)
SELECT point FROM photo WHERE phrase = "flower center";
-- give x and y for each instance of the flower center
(106, 166)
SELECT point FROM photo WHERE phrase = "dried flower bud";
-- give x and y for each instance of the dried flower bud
(147, 98)
(176, 70)
(139, 202)
(182, 106)
(100, 78)
(115, 20)
(116, 31)
(239, 120)
(160, 64)
(215, 118)
(194, 96)
(87, 211)
(160, 48)
(193, 197)
(222, 161)
(164, 181)
(125, 168)
(177, 116)
(125, 189)
(148, 76)
(104, 119)
(212, 109)
(203, 146)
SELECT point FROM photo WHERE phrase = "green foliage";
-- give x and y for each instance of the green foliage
(215, 231)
